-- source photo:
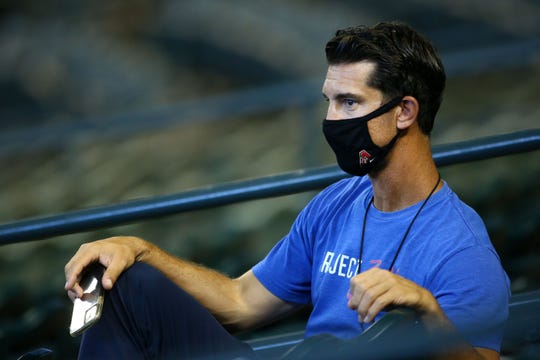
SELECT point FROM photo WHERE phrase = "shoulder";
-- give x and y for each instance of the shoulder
(446, 215)
(458, 236)
(450, 231)
(463, 219)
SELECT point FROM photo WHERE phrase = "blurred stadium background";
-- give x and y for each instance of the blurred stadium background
(106, 101)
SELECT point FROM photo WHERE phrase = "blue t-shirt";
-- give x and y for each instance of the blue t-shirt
(447, 251)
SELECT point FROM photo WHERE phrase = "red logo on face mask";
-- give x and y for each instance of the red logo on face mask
(365, 157)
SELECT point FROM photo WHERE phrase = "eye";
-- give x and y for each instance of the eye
(349, 102)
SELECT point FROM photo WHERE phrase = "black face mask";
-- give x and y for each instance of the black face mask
(355, 152)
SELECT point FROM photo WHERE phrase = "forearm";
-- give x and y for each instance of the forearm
(435, 320)
(220, 294)
(239, 303)
(373, 290)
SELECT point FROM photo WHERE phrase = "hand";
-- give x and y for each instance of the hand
(375, 289)
(116, 254)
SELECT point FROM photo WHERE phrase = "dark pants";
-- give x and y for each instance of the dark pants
(146, 316)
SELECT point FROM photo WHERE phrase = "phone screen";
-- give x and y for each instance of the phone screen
(87, 309)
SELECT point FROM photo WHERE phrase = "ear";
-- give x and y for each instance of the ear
(409, 112)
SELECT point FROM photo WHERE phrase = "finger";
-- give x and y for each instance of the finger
(74, 268)
(377, 306)
(392, 294)
(360, 285)
(73, 273)
(114, 269)
(76, 292)
(366, 288)
(355, 293)
(72, 295)
(368, 301)
(373, 293)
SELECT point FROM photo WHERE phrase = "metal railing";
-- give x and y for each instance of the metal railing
(234, 192)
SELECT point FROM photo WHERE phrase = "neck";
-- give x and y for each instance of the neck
(408, 177)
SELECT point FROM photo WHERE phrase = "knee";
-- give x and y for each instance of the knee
(144, 283)
(140, 270)
(139, 276)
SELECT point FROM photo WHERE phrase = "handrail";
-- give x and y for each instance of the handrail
(234, 192)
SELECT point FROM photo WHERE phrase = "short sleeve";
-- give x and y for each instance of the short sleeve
(468, 288)
(286, 270)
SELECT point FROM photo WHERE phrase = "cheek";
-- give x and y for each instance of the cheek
(381, 130)
(331, 113)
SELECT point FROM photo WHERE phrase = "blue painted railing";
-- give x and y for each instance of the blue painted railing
(229, 193)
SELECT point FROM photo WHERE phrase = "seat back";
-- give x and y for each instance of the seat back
(522, 333)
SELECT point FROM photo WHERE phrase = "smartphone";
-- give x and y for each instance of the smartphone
(87, 309)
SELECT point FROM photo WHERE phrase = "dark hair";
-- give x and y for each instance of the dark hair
(406, 64)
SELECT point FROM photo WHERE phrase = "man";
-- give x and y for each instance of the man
(398, 237)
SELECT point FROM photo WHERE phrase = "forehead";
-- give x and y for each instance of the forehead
(349, 78)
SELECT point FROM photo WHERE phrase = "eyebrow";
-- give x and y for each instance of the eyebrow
(342, 96)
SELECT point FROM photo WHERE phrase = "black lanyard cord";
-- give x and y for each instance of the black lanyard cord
(404, 236)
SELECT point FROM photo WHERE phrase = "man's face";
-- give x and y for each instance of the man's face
(349, 96)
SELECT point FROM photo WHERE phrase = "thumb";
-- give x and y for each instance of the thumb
(107, 282)
(112, 273)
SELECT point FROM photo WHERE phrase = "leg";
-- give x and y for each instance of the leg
(147, 316)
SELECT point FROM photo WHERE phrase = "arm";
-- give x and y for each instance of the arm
(239, 303)
(375, 289)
